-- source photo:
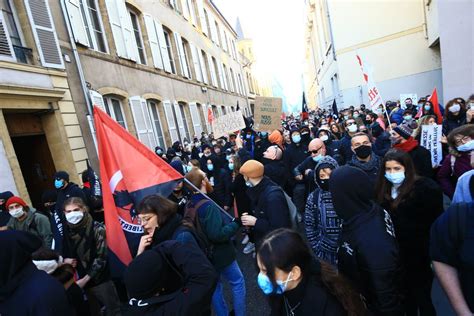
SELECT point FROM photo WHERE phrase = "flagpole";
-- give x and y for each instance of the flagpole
(205, 195)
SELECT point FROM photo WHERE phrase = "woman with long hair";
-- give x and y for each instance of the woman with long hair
(454, 116)
(299, 284)
(424, 120)
(413, 203)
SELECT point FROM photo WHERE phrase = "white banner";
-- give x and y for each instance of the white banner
(375, 98)
(225, 124)
(431, 140)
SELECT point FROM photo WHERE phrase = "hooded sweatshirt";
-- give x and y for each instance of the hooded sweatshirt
(4, 215)
(368, 252)
(25, 290)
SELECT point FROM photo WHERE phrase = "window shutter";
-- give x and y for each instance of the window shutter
(182, 56)
(97, 100)
(184, 5)
(195, 118)
(192, 12)
(224, 75)
(180, 120)
(142, 121)
(128, 32)
(213, 29)
(221, 76)
(203, 66)
(153, 40)
(171, 122)
(197, 66)
(44, 33)
(115, 24)
(164, 49)
(122, 30)
(77, 22)
(6, 49)
(212, 71)
(223, 37)
(202, 16)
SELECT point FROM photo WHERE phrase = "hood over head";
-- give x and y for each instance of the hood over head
(351, 191)
(325, 162)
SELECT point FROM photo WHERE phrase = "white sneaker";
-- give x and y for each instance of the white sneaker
(249, 248)
(245, 240)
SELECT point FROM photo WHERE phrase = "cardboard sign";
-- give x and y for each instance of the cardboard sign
(267, 114)
(431, 140)
(225, 124)
(412, 96)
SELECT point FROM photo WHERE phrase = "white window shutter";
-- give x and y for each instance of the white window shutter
(180, 120)
(192, 12)
(44, 33)
(224, 75)
(128, 32)
(115, 24)
(163, 47)
(182, 57)
(195, 117)
(223, 41)
(171, 122)
(153, 40)
(184, 5)
(142, 121)
(6, 49)
(197, 65)
(213, 29)
(97, 100)
(203, 66)
(202, 16)
(212, 70)
(221, 75)
(77, 22)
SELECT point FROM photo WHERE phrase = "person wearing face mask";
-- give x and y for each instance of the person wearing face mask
(423, 121)
(317, 151)
(298, 284)
(454, 116)
(305, 135)
(206, 154)
(287, 139)
(333, 146)
(428, 109)
(274, 167)
(470, 110)
(179, 194)
(322, 225)
(26, 219)
(220, 180)
(66, 189)
(413, 203)
(267, 199)
(159, 151)
(4, 215)
(373, 267)
(402, 139)
(85, 248)
(364, 158)
(351, 130)
(261, 144)
(459, 160)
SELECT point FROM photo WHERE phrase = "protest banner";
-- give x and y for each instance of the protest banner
(267, 114)
(375, 98)
(225, 124)
(431, 140)
(412, 96)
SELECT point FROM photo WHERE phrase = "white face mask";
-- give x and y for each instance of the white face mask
(17, 212)
(455, 108)
(324, 138)
(74, 217)
(352, 128)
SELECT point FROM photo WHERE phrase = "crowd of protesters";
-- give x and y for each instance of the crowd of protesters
(344, 212)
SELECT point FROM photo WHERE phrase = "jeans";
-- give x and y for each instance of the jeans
(299, 191)
(104, 294)
(235, 278)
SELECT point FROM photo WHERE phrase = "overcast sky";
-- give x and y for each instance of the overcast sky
(277, 29)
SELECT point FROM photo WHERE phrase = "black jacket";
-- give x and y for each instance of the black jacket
(333, 149)
(71, 190)
(276, 171)
(220, 180)
(260, 147)
(453, 122)
(422, 161)
(293, 156)
(195, 287)
(270, 208)
(239, 192)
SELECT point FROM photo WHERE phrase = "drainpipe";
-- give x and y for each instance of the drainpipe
(85, 90)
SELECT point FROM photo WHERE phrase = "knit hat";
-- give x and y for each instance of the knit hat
(276, 138)
(5, 195)
(325, 162)
(15, 199)
(404, 131)
(62, 175)
(252, 169)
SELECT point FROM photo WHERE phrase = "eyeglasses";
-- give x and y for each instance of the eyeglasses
(350, 123)
(316, 150)
(462, 140)
(144, 220)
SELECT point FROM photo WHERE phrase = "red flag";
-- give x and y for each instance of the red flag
(434, 100)
(304, 109)
(210, 115)
(129, 171)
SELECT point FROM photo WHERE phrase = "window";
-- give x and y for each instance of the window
(226, 77)
(205, 64)
(94, 25)
(241, 85)
(185, 120)
(218, 35)
(138, 37)
(113, 107)
(11, 46)
(186, 58)
(169, 47)
(217, 70)
(157, 126)
(225, 45)
(10, 21)
(233, 85)
(209, 31)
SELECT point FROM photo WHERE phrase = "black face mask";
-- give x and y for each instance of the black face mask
(324, 184)
(363, 151)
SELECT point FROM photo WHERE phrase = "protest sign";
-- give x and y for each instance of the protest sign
(412, 96)
(375, 98)
(431, 140)
(267, 114)
(225, 124)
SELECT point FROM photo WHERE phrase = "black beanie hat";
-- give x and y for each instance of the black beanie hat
(62, 175)
(404, 131)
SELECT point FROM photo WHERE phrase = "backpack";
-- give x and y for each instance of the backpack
(292, 210)
(191, 217)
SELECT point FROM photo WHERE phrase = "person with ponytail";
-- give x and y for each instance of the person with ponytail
(298, 284)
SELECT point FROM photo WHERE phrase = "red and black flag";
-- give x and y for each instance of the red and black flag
(129, 171)
(304, 109)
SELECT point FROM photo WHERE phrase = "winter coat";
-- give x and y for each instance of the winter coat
(382, 144)
(71, 190)
(173, 229)
(25, 290)
(449, 173)
(35, 223)
(453, 122)
(194, 288)
(396, 116)
(333, 149)
(371, 167)
(412, 220)
(218, 233)
(220, 181)
(276, 171)
(420, 155)
(346, 150)
(293, 156)
(464, 188)
(313, 299)
(239, 193)
(270, 208)
(260, 147)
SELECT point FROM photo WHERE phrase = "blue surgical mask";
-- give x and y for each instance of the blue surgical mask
(263, 134)
(296, 138)
(227, 158)
(407, 117)
(267, 287)
(355, 115)
(427, 107)
(188, 168)
(159, 152)
(231, 166)
(395, 177)
(248, 136)
(58, 184)
(210, 167)
(317, 158)
(467, 146)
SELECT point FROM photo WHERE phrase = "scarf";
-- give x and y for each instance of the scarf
(407, 146)
(166, 231)
(81, 241)
(370, 165)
